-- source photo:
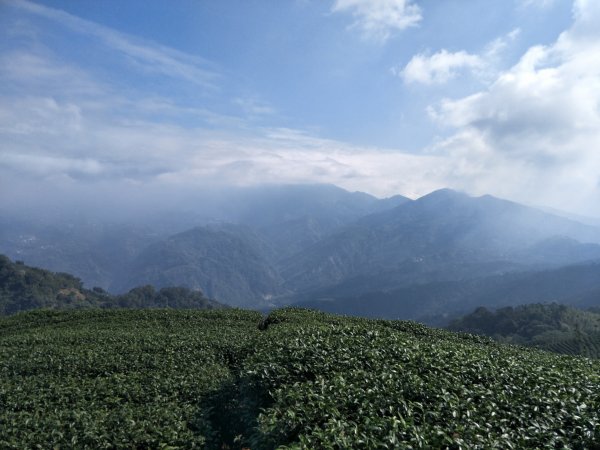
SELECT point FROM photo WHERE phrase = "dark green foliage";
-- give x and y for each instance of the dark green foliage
(354, 383)
(552, 327)
(23, 288)
(168, 297)
(114, 379)
(212, 379)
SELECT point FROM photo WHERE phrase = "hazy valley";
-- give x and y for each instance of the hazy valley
(321, 246)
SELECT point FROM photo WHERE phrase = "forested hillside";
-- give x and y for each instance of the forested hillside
(433, 302)
(299, 379)
(551, 327)
(23, 288)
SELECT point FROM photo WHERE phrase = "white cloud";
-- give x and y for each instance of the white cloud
(444, 66)
(44, 166)
(533, 135)
(378, 19)
(535, 132)
(439, 67)
(47, 140)
(99, 135)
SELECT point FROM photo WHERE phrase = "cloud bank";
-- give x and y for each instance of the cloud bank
(532, 134)
(535, 132)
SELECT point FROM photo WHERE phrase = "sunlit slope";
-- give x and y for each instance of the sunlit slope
(202, 379)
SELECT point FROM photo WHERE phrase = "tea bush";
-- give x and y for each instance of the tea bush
(346, 383)
(297, 379)
(114, 379)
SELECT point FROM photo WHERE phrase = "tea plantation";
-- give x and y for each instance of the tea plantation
(297, 379)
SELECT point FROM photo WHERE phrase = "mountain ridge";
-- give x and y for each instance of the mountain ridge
(444, 227)
(278, 244)
(434, 302)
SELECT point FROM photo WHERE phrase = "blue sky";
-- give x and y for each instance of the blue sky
(383, 96)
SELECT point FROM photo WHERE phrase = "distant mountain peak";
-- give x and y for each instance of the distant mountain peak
(444, 194)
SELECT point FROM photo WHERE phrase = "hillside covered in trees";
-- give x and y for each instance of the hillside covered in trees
(551, 327)
(24, 288)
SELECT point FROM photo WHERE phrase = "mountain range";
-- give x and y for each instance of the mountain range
(321, 246)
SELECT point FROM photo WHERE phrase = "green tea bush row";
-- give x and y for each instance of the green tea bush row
(350, 384)
(296, 379)
(114, 379)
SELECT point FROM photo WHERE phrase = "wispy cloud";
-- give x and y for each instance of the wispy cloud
(494, 50)
(31, 71)
(150, 56)
(379, 19)
(254, 106)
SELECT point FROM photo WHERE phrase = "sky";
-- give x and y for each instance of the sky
(112, 99)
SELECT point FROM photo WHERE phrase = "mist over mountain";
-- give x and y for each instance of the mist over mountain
(294, 217)
(94, 251)
(228, 262)
(195, 244)
(322, 246)
(437, 302)
(444, 234)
